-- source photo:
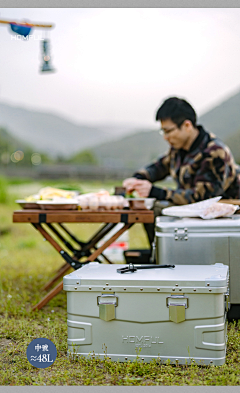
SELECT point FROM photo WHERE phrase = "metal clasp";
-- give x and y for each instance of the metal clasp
(227, 304)
(177, 305)
(107, 304)
(180, 234)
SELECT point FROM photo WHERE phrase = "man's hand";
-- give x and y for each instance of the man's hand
(129, 184)
(143, 187)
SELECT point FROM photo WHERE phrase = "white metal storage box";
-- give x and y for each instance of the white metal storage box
(201, 242)
(161, 313)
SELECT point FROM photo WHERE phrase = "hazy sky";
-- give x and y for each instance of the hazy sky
(118, 64)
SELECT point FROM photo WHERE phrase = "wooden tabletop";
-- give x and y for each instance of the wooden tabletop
(74, 216)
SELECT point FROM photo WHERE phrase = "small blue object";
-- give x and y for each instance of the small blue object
(41, 353)
(20, 29)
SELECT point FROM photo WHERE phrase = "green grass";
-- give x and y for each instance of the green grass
(27, 262)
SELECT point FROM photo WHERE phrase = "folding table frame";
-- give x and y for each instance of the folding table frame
(76, 253)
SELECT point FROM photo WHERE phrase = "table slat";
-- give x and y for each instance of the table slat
(71, 216)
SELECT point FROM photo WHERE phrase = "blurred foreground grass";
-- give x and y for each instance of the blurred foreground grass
(27, 263)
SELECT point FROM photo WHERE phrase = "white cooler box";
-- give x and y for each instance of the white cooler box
(161, 313)
(201, 242)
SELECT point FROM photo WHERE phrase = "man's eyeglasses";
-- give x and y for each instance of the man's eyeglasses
(167, 132)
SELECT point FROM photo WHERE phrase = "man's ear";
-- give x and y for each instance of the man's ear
(188, 125)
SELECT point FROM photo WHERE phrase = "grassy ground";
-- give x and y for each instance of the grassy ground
(26, 264)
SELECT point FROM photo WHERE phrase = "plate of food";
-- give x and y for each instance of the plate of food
(27, 204)
(58, 204)
(51, 198)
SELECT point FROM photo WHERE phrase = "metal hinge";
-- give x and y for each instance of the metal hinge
(180, 234)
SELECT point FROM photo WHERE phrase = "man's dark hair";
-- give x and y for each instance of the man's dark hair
(177, 110)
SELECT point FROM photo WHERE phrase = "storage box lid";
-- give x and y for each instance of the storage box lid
(168, 224)
(95, 275)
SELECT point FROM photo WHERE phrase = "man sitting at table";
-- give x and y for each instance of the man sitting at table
(201, 164)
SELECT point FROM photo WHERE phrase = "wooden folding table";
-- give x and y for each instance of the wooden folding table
(76, 253)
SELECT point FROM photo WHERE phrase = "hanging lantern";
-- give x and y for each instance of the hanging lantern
(24, 29)
(46, 66)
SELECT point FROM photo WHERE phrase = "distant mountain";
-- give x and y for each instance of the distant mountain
(224, 119)
(12, 147)
(116, 131)
(132, 151)
(53, 134)
(9, 141)
(48, 132)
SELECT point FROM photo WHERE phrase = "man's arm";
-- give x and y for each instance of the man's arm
(158, 170)
(142, 180)
(214, 174)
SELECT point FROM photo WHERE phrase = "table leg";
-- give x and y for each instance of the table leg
(48, 297)
(96, 253)
(85, 251)
(94, 239)
(71, 261)
(106, 258)
(61, 267)
(91, 243)
(71, 235)
(59, 274)
(58, 234)
(92, 257)
(64, 268)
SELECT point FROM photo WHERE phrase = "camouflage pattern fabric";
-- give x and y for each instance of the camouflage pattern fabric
(205, 171)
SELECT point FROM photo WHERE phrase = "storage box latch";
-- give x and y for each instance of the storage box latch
(177, 305)
(180, 234)
(226, 302)
(107, 304)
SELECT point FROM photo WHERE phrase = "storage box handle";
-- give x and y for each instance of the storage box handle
(169, 303)
(110, 297)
